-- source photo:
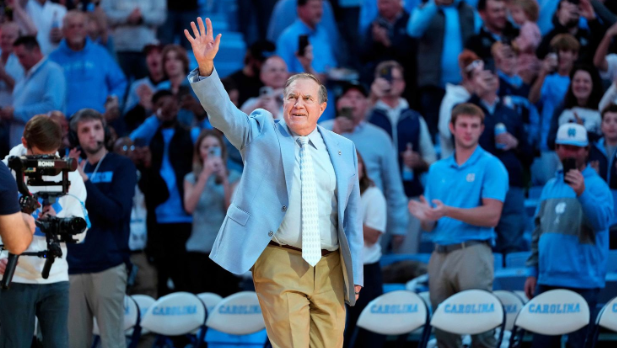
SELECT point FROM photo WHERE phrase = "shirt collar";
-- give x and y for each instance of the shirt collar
(36, 67)
(402, 104)
(475, 156)
(313, 137)
(305, 28)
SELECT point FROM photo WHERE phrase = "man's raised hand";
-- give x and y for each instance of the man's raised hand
(204, 45)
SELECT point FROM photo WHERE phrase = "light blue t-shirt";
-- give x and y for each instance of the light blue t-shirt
(452, 47)
(481, 176)
(171, 211)
(287, 46)
(553, 91)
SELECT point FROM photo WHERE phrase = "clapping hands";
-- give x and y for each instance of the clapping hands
(423, 211)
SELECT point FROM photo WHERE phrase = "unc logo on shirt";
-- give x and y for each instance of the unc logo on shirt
(471, 177)
(101, 177)
(560, 208)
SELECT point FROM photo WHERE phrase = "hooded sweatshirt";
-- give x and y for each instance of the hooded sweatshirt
(29, 268)
(91, 76)
(569, 245)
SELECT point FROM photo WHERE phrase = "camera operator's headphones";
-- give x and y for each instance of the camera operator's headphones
(88, 114)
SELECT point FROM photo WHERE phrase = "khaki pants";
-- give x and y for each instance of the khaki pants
(99, 295)
(463, 269)
(302, 306)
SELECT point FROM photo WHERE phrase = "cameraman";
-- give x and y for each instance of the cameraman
(30, 295)
(16, 234)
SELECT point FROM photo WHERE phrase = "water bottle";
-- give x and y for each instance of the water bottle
(407, 172)
(55, 23)
(500, 128)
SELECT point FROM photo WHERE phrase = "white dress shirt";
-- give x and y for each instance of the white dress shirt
(290, 231)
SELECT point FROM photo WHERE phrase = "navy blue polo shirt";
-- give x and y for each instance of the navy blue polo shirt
(464, 186)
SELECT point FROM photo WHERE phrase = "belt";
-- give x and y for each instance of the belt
(452, 247)
(324, 252)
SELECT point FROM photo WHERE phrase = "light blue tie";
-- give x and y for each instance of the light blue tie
(311, 238)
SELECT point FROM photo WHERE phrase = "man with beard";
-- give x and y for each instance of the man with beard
(566, 20)
(98, 267)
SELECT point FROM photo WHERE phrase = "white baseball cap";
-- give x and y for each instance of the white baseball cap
(572, 134)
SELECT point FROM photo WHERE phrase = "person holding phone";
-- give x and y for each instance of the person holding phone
(307, 35)
(411, 138)
(569, 247)
(207, 195)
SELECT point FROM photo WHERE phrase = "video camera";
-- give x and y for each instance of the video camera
(56, 230)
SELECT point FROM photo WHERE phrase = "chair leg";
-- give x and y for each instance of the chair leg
(354, 337)
(201, 336)
(592, 339)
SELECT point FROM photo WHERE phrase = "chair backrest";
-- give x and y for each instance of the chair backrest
(612, 261)
(517, 260)
(497, 261)
(608, 316)
(175, 314)
(555, 312)
(210, 300)
(395, 313)
(512, 304)
(469, 312)
(238, 314)
(144, 302)
(522, 295)
(130, 315)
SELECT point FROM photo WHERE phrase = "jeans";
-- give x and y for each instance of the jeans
(577, 338)
(511, 225)
(22, 302)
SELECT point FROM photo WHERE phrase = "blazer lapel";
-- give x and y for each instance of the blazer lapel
(288, 154)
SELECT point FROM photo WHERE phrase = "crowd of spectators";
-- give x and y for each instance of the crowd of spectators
(394, 71)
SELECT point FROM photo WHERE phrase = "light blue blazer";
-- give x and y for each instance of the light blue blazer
(262, 196)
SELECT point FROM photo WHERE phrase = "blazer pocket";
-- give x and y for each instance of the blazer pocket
(238, 215)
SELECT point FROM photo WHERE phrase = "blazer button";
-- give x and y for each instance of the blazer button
(270, 234)
(284, 208)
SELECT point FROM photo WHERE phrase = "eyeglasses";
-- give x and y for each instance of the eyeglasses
(128, 148)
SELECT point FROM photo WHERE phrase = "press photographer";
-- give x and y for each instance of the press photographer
(30, 294)
(16, 228)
